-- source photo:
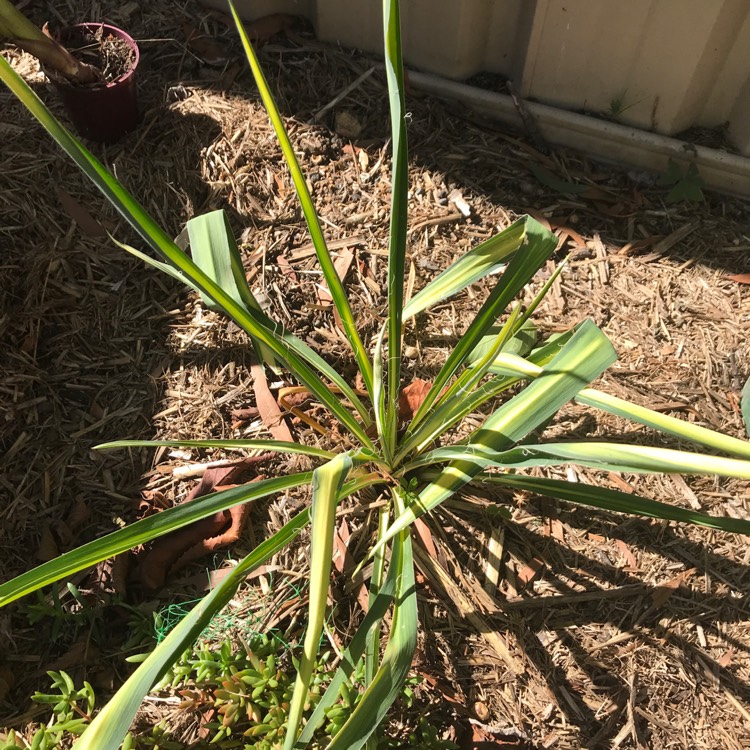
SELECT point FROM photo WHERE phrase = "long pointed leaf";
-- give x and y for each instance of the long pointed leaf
(584, 357)
(634, 459)
(394, 70)
(215, 251)
(664, 423)
(511, 364)
(277, 446)
(468, 380)
(486, 258)
(538, 245)
(143, 531)
(157, 264)
(387, 683)
(335, 286)
(110, 726)
(327, 480)
(372, 651)
(614, 500)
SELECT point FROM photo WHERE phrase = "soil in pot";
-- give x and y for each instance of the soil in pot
(107, 109)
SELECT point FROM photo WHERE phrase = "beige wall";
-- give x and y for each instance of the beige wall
(662, 65)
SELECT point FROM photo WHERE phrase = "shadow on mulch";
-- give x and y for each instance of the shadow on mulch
(649, 620)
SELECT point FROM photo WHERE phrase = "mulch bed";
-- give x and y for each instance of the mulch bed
(593, 630)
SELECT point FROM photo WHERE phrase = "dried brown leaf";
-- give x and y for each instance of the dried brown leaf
(268, 407)
(342, 264)
(628, 557)
(665, 590)
(411, 398)
(726, 658)
(263, 29)
(173, 551)
(529, 571)
(209, 49)
(86, 222)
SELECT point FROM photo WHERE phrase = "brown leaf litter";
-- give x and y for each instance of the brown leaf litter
(169, 554)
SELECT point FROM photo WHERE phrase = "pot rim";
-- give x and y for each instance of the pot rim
(120, 34)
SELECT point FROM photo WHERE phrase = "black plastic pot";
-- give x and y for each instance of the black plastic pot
(107, 111)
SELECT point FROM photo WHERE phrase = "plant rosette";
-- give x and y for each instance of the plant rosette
(498, 368)
(106, 110)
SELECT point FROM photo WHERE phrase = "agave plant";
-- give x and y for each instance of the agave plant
(493, 368)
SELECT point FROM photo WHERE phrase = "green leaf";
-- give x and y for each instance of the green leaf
(335, 287)
(508, 339)
(215, 252)
(745, 406)
(489, 257)
(537, 247)
(510, 365)
(372, 649)
(141, 532)
(584, 357)
(394, 71)
(520, 344)
(614, 500)
(388, 682)
(671, 175)
(469, 379)
(157, 264)
(110, 726)
(687, 184)
(327, 481)
(277, 446)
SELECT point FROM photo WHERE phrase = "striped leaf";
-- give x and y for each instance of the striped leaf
(614, 500)
(621, 457)
(327, 481)
(394, 668)
(379, 605)
(449, 412)
(538, 245)
(491, 256)
(664, 423)
(584, 357)
(111, 724)
(335, 286)
(276, 446)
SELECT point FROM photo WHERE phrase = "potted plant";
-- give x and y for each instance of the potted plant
(92, 66)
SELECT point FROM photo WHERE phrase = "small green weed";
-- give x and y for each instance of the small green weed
(71, 713)
(687, 183)
(619, 104)
(246, 694)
